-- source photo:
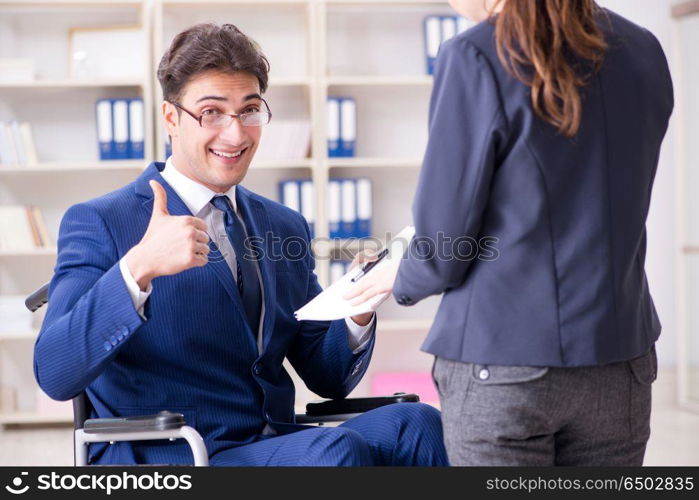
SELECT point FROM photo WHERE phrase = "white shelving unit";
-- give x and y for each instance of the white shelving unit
(68, 84)
(370, 50)
(55, 167)
(32, 418)
(61, 112)
(34, 252)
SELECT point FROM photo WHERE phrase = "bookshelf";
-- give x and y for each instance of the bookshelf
(33, 418)
(48, 167)
(379, 80)
(68, 83)
(61, 111)
(370, 50)
(34, 252)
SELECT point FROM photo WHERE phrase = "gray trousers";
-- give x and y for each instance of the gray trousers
(539, 416)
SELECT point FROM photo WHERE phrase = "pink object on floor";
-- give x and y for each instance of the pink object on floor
(420, 383)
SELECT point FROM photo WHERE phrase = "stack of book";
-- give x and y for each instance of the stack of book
(120, 129)
(22, 229)
(285, 140)
(350, 205)
(297, 194)
(16, 70)
(437, 30)
(17, 144)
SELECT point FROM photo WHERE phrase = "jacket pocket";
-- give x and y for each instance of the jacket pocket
(442, 374)
(645, 368)
(501, 374)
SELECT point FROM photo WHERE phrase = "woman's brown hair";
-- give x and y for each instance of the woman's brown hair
(536, 40)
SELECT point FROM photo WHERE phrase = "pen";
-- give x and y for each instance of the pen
(369, 265)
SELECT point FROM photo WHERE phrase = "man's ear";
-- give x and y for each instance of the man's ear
(171, 118)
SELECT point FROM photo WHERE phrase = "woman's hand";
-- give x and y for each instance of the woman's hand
(378, 281)
(362, 258)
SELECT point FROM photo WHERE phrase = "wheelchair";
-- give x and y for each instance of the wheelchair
(172, 426)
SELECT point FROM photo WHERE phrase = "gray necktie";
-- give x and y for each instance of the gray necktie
(248, 283)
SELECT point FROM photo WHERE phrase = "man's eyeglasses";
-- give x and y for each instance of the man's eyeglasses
(221, 120)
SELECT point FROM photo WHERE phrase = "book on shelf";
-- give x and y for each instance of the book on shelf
(356, 207)
(342, 127)
(350, 204)
(436, 31)
(16, 70)
(334, 207)
(298, 195)
(17, 145)
(22, 229)
(168, 150)
(285, 140)
(120, 128)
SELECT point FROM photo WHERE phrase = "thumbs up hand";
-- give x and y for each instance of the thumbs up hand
(171, 244)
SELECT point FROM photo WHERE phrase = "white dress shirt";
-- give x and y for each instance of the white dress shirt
(197, 197)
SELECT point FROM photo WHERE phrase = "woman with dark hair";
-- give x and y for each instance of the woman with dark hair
(545, 127)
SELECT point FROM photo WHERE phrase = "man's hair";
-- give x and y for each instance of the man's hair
(205, 47)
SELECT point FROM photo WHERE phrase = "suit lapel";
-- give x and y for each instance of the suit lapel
(258, 226)
(175, 206)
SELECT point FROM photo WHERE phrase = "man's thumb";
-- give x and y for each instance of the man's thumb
(159, 199)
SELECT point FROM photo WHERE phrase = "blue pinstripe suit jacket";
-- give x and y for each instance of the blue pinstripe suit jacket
(195, 353)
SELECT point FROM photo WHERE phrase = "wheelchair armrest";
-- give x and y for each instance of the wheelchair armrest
(327, 407)
(38, 298)
(162, 421)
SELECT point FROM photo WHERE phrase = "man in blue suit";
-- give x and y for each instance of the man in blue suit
(172, 293)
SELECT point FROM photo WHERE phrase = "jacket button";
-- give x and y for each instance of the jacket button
(107, 346)
(483, 374)
(404, 300)
(257, 369)
(113, 340)
(124, 331)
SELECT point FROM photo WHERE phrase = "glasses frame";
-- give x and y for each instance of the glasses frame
(232, 115)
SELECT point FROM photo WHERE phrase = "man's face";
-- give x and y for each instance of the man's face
(217, 158)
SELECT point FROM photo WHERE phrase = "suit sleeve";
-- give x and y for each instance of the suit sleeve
(321, 353)
(466, 126)
(90, 312)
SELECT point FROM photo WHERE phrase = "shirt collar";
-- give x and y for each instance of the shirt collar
(195, 195)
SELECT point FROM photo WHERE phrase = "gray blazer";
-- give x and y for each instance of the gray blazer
(559, 279)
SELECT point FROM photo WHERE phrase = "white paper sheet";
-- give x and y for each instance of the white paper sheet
(329, 305)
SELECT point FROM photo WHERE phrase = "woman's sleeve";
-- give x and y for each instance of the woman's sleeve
(466, 127)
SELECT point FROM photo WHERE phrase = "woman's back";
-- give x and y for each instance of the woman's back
(568, 286)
